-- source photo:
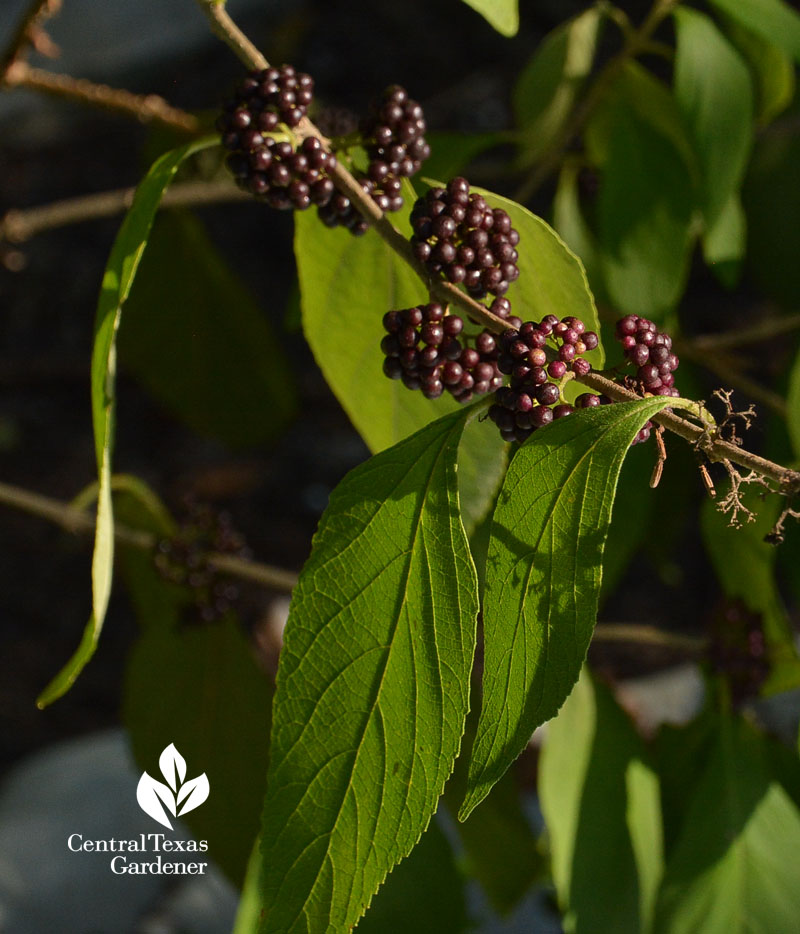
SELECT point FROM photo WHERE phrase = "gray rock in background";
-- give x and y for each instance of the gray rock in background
(88, 786)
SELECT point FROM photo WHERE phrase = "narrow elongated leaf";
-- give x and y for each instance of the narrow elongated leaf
(771, 69)
(543, 575)
(602, 811)
(373, 684)
(734, 866)
(503, 15)
(549, 84)
(772, 19)
(714, 91)
(646, 198)
(120, 271)
(725, 242)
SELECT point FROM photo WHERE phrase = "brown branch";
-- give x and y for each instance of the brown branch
(19, 225)
(75, 521)
(25, 34)
(647, 635)
(742, 337)
(149, 108)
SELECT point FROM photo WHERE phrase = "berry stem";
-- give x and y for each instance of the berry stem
(27, 32)
(75, 521)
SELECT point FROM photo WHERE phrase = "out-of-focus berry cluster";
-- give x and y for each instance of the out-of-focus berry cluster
(184, 559)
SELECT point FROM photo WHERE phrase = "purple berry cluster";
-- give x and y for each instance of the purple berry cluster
(459, 236)
(285, 177)
(393, 134)
(426, 348)
(650, 351)
(738, 649)
(532, 398)
(184, 559)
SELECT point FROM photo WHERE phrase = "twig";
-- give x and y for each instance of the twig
(78, 521)
(20, 225)
(742, 337)
(31, 22)
(721, 365)
(149, 108)
(647, 635)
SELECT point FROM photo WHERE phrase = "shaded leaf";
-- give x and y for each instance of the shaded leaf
(549, 85)
(772, 19)
(725, 243)
(452, 152)
(602, 810)
(646, 199)
(733, 867)
(715, 95)
(373, 684)
(197, 341)
(120, 271)
(543, 576)
(424, 894)
(771, 69)
(571, 224)
(503, 15)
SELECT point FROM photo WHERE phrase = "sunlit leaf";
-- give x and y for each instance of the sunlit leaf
(602, 810)
(120, 271)
(373, 684)
(503, 15)
(543, 576)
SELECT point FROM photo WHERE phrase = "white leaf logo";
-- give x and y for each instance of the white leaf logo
(154, 796)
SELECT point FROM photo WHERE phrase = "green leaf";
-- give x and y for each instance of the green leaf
(503, 15)
(646, 199)
(373, 684)
(715, 94)
(342, 315)
(725, 242)
(602, 811)
(120, 272)
(342, 322)
(772, 19)
(424, 894)
(198, 342)
(745, 566)
(550, 83)
(543, 576)
(734, 867)
(481, 468)
(569, 221)
(793, 406)
(771, 69)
